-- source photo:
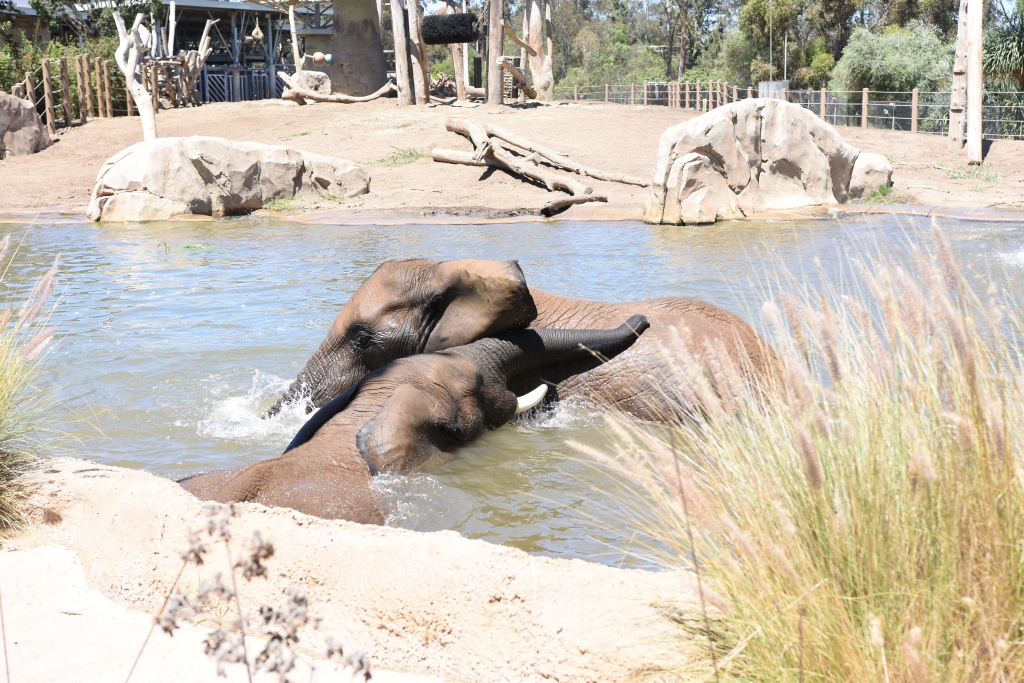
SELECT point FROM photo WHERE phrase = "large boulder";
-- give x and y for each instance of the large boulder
(752, 156)
(152, 181)
(21, 129)
(871, 172)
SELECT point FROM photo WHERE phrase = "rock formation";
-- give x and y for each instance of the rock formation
(752, 156)
(155, 180)
(21, 129)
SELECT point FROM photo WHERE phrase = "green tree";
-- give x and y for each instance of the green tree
(895, 60)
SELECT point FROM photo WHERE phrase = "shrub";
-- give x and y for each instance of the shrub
(762, 71)
(894, 60)
(861, 518)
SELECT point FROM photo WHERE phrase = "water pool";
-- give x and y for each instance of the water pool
(176, 337)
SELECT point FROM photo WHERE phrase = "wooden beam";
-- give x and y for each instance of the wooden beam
(515, 39)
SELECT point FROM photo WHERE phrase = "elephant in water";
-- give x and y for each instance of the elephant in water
(416, 306)
(398, 417)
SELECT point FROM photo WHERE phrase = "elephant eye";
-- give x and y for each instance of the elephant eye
(363, 339)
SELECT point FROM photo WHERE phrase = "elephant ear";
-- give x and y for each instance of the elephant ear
(477, 299)
(414, 426)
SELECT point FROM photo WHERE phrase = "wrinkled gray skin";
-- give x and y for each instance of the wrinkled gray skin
(401, 416)
(408, 307)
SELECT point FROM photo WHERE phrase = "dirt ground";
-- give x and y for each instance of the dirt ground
(437, 604)
(395, 142)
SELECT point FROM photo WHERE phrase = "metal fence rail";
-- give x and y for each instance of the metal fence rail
(1002, 111)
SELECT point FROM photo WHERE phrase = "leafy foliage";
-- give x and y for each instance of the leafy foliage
(93, 18)
(1004, 51)
(894, 60)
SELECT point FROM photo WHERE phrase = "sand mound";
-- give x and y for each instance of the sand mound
(431, 603)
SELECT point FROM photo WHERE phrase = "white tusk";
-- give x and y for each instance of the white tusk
(524, 403)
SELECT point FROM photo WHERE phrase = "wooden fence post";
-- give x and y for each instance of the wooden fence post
(824, 103)
(51, 123)
(65, 91)
(686, 104)
(101, 107)
(605, 92)
(80, 85)
(154, 86)
(576, 92)
(106, 89)
(914, 100)
(785, 95)
(864, 108)
(645, 93)
(750, 93)
(30, 88)
(87, 66)
(735, 94)
(632, 93)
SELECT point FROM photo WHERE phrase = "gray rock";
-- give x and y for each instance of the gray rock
(316, 81)
(21, 128)
(754, 155)
(156, 180)
(871, 172)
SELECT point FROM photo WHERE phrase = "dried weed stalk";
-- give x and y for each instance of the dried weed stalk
(874, 489)
(217, 601)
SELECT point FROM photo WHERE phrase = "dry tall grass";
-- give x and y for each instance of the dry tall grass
(864, 521)
(24, 334)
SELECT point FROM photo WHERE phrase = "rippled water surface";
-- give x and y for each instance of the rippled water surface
(177, 336)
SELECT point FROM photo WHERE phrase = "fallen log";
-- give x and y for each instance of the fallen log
(486, 131)
(296, 94)
(556, 159)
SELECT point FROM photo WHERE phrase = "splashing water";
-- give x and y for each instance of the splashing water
(241, 418)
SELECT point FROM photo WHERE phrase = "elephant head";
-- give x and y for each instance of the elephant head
(401, 416)
(410, 307)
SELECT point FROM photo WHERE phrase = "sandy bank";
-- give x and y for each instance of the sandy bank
(427, 603)
(615, 137)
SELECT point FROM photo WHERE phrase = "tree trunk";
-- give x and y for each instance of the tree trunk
(495, 50)
(418, 51)
(958, 93)
(682, 44)
(296, 55)
(540, 40)
(128, 55)
(975, 85)
(401, 52)
(456, 52)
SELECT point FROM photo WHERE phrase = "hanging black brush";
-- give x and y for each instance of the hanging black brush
(442, 29)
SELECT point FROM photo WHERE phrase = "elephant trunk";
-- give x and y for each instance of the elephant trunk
(515, 353)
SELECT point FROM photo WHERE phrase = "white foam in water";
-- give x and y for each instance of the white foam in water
(568, 413)
(240, 418)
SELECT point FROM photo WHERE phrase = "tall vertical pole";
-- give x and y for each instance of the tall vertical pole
(109, 97)
(864, 108)
(401, 52)
(958, 92)
(80, 78)
(101, 108)
(88, 85)
(65, 91)
(975, 14)
(682, 43)
(51, 123)
(915, 98)
(495, 51)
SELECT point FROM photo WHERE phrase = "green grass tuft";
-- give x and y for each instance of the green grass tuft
(287, 204)
(977, 173)
(402, 157)
(861, 517)
(887, 195)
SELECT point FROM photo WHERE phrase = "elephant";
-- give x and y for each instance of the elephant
(401, 416)
(408, 307)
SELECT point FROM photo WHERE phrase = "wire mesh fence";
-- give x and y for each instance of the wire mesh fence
(1002, 111)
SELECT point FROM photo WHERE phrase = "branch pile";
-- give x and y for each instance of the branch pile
(534, 162)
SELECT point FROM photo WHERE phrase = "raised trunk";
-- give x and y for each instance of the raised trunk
(522, 351)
